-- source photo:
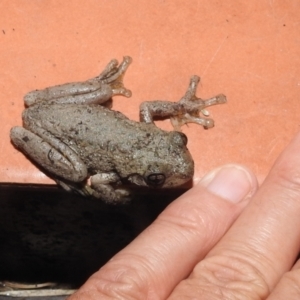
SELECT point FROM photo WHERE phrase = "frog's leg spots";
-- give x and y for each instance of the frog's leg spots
(187, 110)
(49, 153)
(93, 91)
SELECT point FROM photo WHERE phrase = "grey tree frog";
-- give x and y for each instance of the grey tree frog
(87, 147)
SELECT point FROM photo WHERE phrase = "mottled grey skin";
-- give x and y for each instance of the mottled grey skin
(74, 138)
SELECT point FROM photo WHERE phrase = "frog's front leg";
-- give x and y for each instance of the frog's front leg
(93, 91)
(187, 110)
(104, 186)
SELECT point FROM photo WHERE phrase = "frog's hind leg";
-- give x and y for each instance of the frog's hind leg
(93, 91)
(101, 188)
(64, 165)
(106, 186)
(71, 93)
(187, 110)
(49, 153)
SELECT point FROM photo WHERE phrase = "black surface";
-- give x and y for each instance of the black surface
(48, 234)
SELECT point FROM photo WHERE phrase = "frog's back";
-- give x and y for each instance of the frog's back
(92, 129)
(80, 120)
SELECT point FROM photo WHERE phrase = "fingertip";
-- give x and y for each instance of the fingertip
(231, 182)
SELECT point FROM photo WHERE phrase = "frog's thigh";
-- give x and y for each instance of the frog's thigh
(48, 157)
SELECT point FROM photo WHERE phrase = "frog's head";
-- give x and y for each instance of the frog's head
(169, 164)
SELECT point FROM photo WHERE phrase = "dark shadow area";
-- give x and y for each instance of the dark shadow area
(48, 234)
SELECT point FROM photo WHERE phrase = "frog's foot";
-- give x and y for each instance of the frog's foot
(102, 188)
(187, 110)
(193, 106)
(113, 76)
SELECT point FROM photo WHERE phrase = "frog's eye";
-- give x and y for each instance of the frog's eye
(179, 138)
(156, 179)
(184, 138)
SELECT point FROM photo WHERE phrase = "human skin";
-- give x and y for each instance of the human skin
(223, 239)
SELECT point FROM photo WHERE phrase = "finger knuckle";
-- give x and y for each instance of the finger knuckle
(232, 277)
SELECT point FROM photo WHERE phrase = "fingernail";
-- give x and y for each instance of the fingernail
(231, 182)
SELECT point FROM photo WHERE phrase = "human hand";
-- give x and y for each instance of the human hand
(223, 239)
